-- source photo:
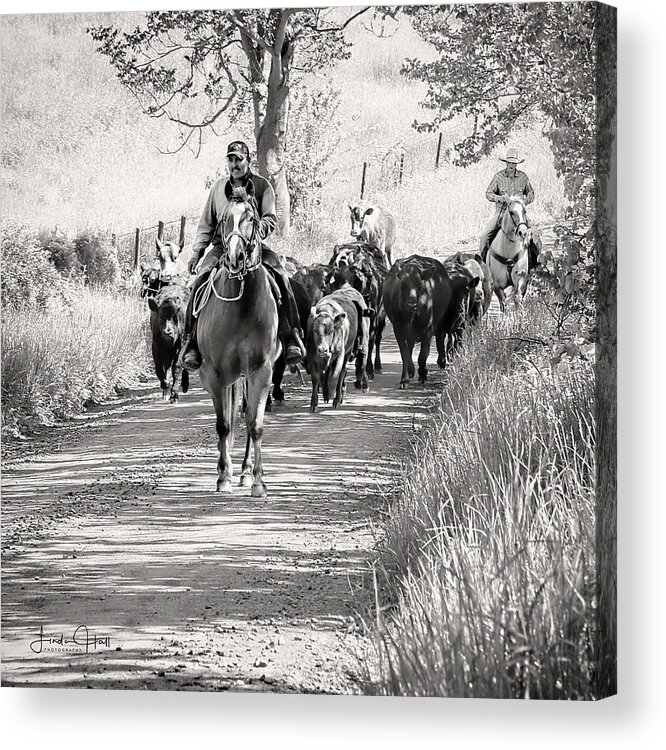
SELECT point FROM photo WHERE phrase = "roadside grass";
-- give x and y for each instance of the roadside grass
(485, 578)
(59, 359)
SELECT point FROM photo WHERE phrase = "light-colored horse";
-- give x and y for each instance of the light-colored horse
(237, 335)
(508, 257)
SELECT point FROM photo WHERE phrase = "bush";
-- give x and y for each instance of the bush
(28, 278)
(98, 257)
(55, 362)
(61, 251)
(488, 549)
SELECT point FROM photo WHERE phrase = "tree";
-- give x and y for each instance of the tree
(201, 69)
(500, 65)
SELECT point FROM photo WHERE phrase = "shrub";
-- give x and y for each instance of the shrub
(28, 278)
(488, 550)
(61, 250)
(98, 257)
(56, 361)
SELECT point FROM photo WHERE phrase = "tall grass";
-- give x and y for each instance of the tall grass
(487, 563)
(57, 360)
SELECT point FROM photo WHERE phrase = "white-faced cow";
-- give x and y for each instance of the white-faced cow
(376, 226)
(332, 340)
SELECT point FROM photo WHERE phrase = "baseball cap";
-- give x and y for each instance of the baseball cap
(238, 148)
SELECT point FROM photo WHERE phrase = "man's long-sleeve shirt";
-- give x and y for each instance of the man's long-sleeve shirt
(502, 184)
(208, 230)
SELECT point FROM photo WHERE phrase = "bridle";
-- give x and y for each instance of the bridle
(252, 249)
(516, 224)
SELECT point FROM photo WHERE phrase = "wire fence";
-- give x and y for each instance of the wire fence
(389, 172)
(138, 246)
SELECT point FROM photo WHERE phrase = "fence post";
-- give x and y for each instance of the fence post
(181, 236)
(402, 165)
(365, 166)
(160, 229)
(137, 240)
(439, 150)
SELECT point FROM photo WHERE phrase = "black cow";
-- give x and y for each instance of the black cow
(423, 301)
(167, 320)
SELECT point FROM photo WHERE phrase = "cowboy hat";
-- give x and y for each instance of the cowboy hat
(512, 157)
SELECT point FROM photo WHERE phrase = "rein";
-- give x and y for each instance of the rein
(223, 269)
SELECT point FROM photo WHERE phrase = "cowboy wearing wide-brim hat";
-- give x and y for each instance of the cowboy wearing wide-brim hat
(508, 182)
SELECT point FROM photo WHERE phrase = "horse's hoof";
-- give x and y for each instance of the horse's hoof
(224, 486)
(403, 385)
(358, 385)
(245, 480)
(378, 370)
(258, 490)
(173, 399)
(269, 406)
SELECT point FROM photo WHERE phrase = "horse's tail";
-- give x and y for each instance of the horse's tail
(230, 404)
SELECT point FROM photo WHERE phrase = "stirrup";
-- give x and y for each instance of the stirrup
(190, 357)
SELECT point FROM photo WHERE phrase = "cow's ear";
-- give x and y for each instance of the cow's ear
(152, 304)
(143, 268)
(368, 211)
(313, 311)
(478, 258)
(474, 282)
(457, 258)
(339, 318)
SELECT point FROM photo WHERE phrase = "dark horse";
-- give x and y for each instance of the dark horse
(237, 334)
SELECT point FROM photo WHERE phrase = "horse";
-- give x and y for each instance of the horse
(508, 257)
(237, 335)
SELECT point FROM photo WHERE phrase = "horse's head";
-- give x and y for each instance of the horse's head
(515, 209)
(239, 232)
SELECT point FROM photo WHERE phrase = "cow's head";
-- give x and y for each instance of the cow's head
(170, 312)
(356, 214)
(326, 325)
(315, 281)
(415, 286)
(167, 254)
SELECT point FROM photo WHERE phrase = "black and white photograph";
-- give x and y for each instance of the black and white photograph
(309, 349)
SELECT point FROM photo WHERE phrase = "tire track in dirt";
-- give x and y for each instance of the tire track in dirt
(119, 530)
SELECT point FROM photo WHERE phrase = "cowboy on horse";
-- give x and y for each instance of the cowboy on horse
(260, 193)
(509, 182)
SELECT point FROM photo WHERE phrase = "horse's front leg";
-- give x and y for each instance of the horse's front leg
(258, 386)
(223, 411)
(501, 298)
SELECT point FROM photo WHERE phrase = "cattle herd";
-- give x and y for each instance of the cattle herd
(343, 306)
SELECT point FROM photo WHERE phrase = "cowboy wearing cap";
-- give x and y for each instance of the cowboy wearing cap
(509, 182)
(240, 176)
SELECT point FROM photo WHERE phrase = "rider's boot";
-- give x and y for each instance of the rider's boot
(190, 356)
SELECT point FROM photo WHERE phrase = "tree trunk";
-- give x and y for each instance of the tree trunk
(271, 141)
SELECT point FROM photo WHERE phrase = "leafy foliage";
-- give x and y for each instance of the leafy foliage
(202, 69)
(98, 258)
(28, 279)
(61, 251)
(502, 65)
(310, 147)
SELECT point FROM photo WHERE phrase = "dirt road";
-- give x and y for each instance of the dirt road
(115, 529)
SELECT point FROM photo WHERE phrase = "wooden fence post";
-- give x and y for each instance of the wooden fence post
(365, 166)
(439, 150)
(160, 229)
(181, 236)
(402, 165)
(137, 241)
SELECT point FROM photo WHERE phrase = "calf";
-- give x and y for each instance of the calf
(332, 340)
(376, 226)
(167, 320)
(463, 301)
